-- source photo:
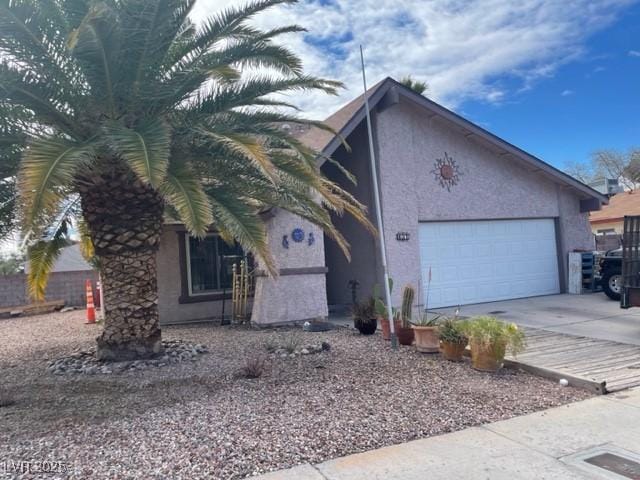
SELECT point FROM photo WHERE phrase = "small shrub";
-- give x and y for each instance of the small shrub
(490, 333)
(291, 344)
(452, 331)
(425, 319)
(271, 344)
(253, 367)
(363, 311)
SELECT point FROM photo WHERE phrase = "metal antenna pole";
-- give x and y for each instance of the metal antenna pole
(376, 196)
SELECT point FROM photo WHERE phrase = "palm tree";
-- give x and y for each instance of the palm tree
(124, 112)
(415, 85)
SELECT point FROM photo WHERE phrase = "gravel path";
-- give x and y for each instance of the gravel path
(203, 420)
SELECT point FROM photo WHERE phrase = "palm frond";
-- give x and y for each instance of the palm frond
(86, 244)
(42, 258)
(29, 90)
(230, 24)
(33, 36)
(145, 148)
(256, 54)
(96, 46)
(183, 190)
(243, 94)
(248, 146)
(46, 174)
(151, 27)
(234, 219)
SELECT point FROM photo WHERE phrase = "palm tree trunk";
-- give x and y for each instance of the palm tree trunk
(124, 217)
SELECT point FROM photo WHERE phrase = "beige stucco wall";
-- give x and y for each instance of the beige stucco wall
(618, 227)
(407, 143)
(291, 297)
(169, 287)
(282, 299)
(490, 187)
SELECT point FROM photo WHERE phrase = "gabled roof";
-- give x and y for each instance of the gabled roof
(621, 204)
(69, 260)
(389, 91)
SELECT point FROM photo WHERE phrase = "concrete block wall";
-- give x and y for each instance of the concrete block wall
(13, 290)
(67, 286)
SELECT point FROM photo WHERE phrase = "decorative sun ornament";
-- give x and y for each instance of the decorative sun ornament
(446, 172)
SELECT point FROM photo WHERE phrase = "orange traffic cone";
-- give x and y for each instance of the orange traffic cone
(91, 309)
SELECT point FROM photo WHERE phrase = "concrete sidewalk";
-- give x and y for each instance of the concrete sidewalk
(546, 445)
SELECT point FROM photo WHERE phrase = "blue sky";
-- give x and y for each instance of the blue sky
(554, 77)
(588, 104)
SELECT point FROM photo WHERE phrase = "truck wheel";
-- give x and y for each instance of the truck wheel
(612, 285)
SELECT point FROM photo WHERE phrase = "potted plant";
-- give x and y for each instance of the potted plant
(425, 330)
(364, 317)
(452, 338)
(489, 339)
(381, 312)
(403, 329)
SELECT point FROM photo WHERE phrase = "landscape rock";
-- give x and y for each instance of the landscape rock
(85, 361)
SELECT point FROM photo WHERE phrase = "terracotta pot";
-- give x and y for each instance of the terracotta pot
(427, 340)
(405, 334)
(366, 327)
(453, 352)
(386, 328)
(486, 359)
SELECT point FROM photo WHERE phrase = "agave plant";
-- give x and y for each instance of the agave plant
(124, 111)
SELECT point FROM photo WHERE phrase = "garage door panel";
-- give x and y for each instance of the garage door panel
(488, 260)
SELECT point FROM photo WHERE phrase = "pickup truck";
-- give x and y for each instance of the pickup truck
(610, 273)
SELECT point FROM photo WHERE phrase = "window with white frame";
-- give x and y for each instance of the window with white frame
(210, 262)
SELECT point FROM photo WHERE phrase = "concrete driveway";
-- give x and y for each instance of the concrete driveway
(590, 315)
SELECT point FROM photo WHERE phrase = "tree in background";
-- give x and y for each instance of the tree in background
(123, 112)
(623, 166)
(12, 263)
(415, 85)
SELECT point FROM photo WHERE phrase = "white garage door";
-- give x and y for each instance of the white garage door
(488, 260)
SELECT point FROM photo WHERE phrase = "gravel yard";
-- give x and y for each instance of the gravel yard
(201, 419)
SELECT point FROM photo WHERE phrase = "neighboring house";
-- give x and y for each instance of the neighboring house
(607, 186)
(66, 282)
(610, 220)
(69, 260)
(483, 219)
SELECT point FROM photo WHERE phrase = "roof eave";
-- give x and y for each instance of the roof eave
(474, 129)
(389, 83)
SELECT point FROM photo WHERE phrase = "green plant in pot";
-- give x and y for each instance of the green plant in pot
(380, 309)
(453, 340)
(490, 339)
(404, 330)
(425, 330)
(364, 317)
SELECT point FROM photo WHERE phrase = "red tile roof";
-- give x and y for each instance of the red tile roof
(621, 204)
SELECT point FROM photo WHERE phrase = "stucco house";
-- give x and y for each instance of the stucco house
(486, 219)
(610, 219)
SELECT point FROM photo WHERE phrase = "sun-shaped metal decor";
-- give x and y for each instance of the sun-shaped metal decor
(446, 172)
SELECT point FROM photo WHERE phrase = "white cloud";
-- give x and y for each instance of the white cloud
(462, 48)
(567, 93)
(634, 53)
